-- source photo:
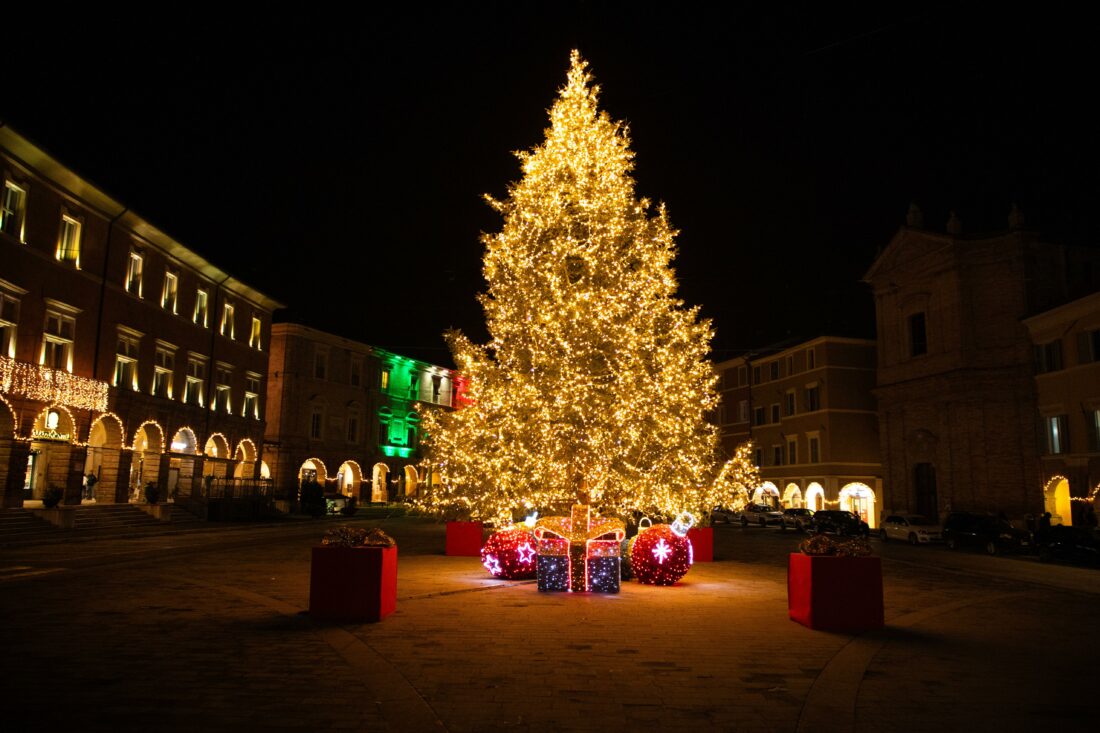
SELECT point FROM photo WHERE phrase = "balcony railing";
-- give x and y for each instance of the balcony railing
(38, 382)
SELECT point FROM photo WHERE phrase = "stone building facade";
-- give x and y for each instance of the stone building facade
(345, 414)
(956, 389)
(123, 354)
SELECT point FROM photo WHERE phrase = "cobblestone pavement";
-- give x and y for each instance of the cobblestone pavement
(207, 632)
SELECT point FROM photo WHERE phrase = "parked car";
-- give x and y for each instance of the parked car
(838, 522)
(721, 515)
(759, 514)
(1077, 545)
(985, 531)
(800, 519)
(913, 528)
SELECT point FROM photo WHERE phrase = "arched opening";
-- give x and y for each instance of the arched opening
(348, 479)
(312, 469)
(245, 460)
(792, 496)
(145, 463)
(379, 485)
(51, 448)
(411, 480)
(181, 463)
(815, 497)
(860, 500)
(1056, 500)
(216, 465)
(105, 439)
(766, 494)
(265, 471)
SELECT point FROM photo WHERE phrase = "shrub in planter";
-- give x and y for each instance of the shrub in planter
(349, 507)
(52, 497)
(152, 493)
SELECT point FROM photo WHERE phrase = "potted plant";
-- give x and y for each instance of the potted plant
(353, 575)
(54, 512)
(52, 497)
(835, 585)
(152, 492)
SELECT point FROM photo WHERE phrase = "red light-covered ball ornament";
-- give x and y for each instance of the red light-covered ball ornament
(510, 553)
(661, 554)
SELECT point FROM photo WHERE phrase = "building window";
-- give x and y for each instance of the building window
(758, 416)
(196, 381)
(355, 372)
(228, 326)
(12, 207)
(254, 336)
(353, 427)
(815, 450)
(316, 423)
(437, 386)
(135, 266)
(251, 396)
(410, 438)
(918, 338)
(777, 455)
(163, 368)
(756, 375)
(773, 370)
(813, 398)
(68, 240)
(792, 452)
(223, 379)
(790, 402)
(414, 386)
(384, 380)
(811, 360)
(9, 323)
(1048, 357)
(758, 457)
(202, 299)
(169, 293)
(126, 361)
(57, 342)
(1094, 425)
(320, 363)
(1057, 434)
(742, 376)
(775, 412)
(743, 411)
(790, 364)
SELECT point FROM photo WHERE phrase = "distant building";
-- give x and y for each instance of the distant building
(1067, 377)
(957, 395)
(810, 410)
(344, 414)
(123, 354)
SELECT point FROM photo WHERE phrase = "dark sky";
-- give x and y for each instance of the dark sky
(338, 162)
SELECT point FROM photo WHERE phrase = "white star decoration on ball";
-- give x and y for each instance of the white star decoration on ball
(526, 554)
(492, 564)
(661, 551)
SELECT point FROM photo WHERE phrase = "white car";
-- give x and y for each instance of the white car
(913, 528)
(760, 514)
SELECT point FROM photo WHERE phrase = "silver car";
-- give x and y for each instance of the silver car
(913, 528)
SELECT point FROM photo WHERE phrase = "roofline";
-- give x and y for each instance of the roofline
(50, 168)
(1053, 313)
(304, 331)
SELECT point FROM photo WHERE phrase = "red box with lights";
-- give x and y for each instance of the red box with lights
(835, 593)
(353, 583)
(702, 543)
(464, 539)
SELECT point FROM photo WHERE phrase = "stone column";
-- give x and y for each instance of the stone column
(74, 484)
(122, 478)
(197, 485)
(17, 472)
(164, 462)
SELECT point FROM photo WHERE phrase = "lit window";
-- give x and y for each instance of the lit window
(385, 379)
(252, 396)
(1057, 434)
(254, 334)
(9, 322)
(163, 368)
(126, 361)
(12, 206)
(918, 338)
(201, 307)
(169, 294)
(57, 342)
(223, 377)
(228, 325)
(68, 240)
(135, 267)
(356, 374)
(196, 381)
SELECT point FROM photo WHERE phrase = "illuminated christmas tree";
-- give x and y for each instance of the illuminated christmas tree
(594, 385)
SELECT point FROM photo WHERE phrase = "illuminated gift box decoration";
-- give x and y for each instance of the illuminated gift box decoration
(579, 554)
(510, 554)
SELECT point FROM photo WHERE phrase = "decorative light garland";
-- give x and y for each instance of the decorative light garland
(39, 382)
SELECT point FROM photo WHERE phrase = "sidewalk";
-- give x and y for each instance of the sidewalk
(217, 640)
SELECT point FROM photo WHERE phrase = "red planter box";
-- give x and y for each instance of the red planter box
(702, 543)
(464, 539)
(835, 593)
(353, 583)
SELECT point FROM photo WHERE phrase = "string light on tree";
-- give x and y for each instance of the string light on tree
(582, 312)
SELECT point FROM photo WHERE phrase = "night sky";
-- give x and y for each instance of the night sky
(337, 163)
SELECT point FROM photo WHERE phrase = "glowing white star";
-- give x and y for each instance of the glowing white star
(526, 553)
(662, 550)
(492, 564)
